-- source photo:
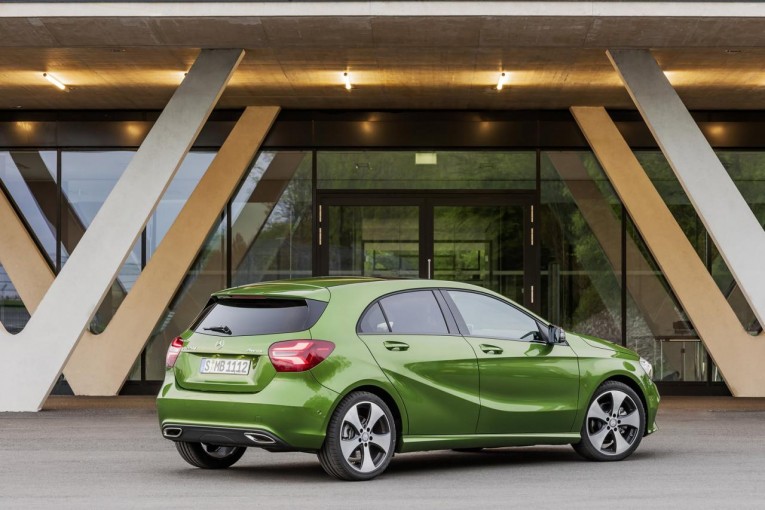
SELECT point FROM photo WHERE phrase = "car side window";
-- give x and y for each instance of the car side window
(415, 313)
(373, 321)
(486, 316)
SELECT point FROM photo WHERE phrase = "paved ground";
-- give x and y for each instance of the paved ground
(95, 454)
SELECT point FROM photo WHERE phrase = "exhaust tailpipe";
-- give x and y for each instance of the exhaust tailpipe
(172, 432)
(257, 437)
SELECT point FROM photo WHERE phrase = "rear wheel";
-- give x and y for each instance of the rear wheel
(207, 456)
(614, 425)
(360, 438)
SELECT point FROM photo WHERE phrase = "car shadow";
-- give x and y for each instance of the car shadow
(450, 460)
(309, 470)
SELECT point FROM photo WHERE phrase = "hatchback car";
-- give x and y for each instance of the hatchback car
(357, 369)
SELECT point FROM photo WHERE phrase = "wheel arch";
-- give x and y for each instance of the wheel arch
(399, 413)
(634, 385)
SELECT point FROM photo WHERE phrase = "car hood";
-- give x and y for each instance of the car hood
(599, 343)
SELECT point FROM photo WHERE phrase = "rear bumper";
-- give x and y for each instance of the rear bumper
(224, 436)
(293, 410)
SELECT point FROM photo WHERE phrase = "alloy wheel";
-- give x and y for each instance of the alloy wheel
(365, 436)
(613, 422)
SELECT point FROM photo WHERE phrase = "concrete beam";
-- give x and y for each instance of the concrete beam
(54, 330)
(727, 217)
(737, 354)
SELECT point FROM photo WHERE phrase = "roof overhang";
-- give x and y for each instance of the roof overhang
(121, 54)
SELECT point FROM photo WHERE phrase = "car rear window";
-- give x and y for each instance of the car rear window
(246, 317)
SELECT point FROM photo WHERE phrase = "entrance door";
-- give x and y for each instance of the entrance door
(483, 239)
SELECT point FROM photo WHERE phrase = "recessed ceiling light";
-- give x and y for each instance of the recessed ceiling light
(347, 80)
(54, 81)
(501, 81)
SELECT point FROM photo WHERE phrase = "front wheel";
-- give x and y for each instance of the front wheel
(207, 456)
(361, 437)
(614, 425)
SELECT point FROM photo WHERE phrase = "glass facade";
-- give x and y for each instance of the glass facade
(543, 227)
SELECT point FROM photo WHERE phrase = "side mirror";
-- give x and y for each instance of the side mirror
(556, 336)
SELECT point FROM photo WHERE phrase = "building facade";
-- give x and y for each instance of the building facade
(407, 139)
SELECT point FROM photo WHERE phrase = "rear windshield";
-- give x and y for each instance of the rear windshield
(246, 317)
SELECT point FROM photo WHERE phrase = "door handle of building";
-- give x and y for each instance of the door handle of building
(490, 349)
(429, 270)
(392, 345)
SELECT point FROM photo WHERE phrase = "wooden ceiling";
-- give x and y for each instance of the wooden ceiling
(394, 62)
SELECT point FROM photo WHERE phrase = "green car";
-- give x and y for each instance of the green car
(357, 369)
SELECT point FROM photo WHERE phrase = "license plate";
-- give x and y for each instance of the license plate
(224, 366)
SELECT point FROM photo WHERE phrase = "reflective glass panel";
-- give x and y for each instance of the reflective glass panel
(426, 170)
(29, 179)
(480, 245)
(272, 219)
(207, 275)
(13, 313)
(87, 178)
(373, 241)
(580, 218)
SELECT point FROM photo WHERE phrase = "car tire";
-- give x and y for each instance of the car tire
(360, 440)
(614, 424)
(209, 456)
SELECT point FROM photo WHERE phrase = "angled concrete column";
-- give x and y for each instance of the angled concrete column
(737, 354)
(101, 363)
(43, 348)
(44, 189)
(730, 222)
(23, 262)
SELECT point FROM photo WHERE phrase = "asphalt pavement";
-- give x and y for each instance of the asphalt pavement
(708, 453)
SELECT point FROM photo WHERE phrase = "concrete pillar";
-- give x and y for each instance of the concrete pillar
(729, 220)
(101, 363)
(737, 354)
(54, 330)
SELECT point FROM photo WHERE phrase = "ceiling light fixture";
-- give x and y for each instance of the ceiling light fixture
(54, 81)
(501, 81)
(347, 80)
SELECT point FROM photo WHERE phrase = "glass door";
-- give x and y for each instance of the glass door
(374, 240)
(482, 245)
(486, 240)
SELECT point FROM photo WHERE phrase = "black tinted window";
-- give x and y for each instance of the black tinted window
(373, 321)
(486, 316)
(244, 317)
(414, 313)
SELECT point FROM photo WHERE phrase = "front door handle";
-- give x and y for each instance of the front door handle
(490, 349)
(392, 345)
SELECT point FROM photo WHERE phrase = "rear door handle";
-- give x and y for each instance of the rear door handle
(490, 349)
(392, 345)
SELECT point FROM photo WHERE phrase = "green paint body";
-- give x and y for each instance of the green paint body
(447, 392)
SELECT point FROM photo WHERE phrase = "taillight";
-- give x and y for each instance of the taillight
(299, 355)
(173, 351)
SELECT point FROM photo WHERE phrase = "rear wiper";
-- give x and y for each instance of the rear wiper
(219, 329)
